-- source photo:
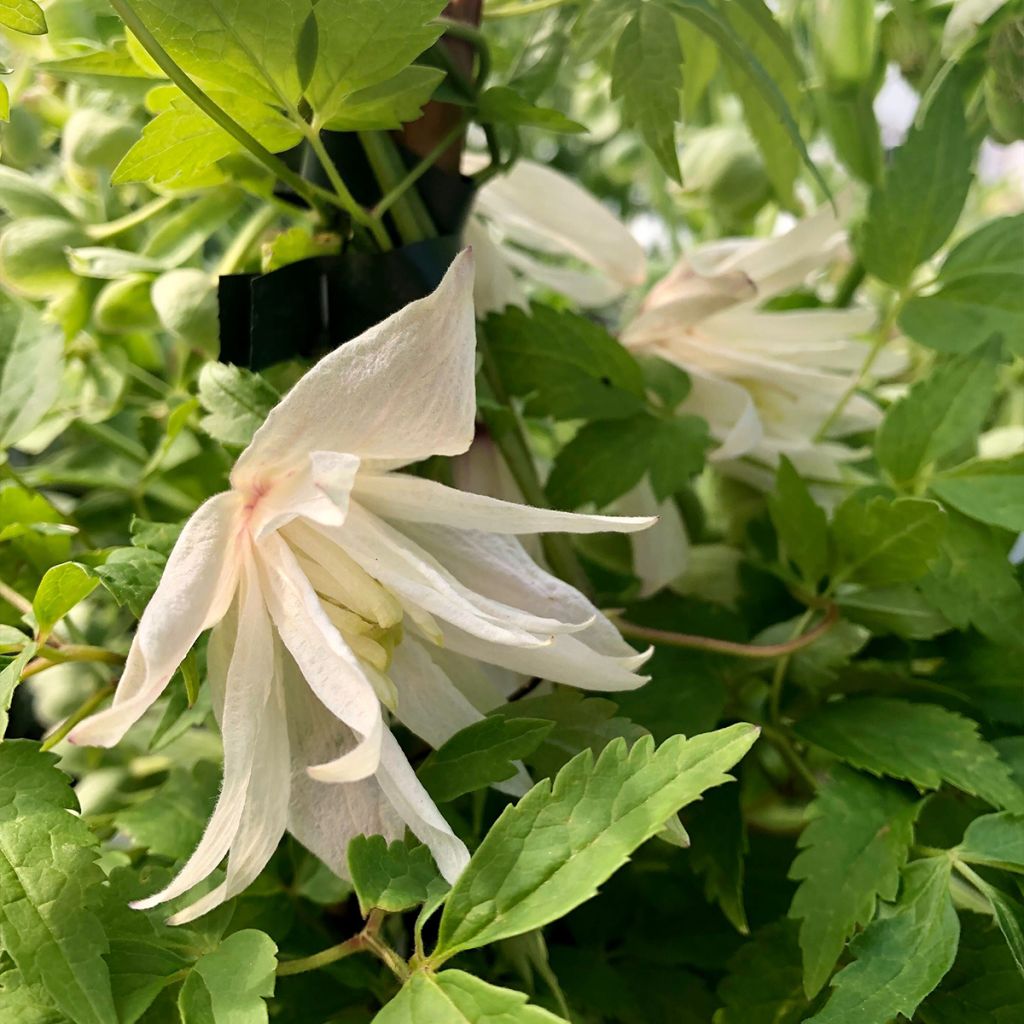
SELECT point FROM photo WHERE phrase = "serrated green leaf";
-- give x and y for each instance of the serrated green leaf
(114, 62)
(607, 458)
(390, 104)
(31, 362)
(454, 997)
(923, 743)
(132, 575)
(391, 877)
(49, 884)
(647, 75)
(237, 402)
(880, 542)
(901, 958)
(502, 105)
(158, 537)
(1009, 915)
(919, 203)
(481, 754)
(564, 365)
(900, 610)
(60, 589)
(994, 840)
(989, 490)
(549, 852)
(939, 415)
(10, 677)
(23, 16)
(229, 985)
(852, 851)
(800, 523)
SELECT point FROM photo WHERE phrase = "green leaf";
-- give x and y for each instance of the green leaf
(669, 382)
(993, 248)
(454, 997)
(1009, 915)
(607, 458)
(918, 205)
(171, 821)
(23, 16)
(994, 840)
(391, 877)
(363, 43)
(113, 62)
(10, 677)
(989, 490)
(180, 147)
(132, 575)
(236, 400)
(31, 362)
(549, 852)
(49, 883)
(21, 195)
(852, 852)
(901, 958)
(900, 610)
(502, 105)
(61, 588)
(481, 754)
(717, 851)
(229, 985)
(879, 542)
(923, 743)
(647, 74)
(389, 104)
(158, 537)
(800, 523)
(564, 365)
(757, 29)
(972, 583)
(938, 416)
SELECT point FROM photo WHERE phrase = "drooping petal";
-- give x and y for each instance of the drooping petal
(325, 660)
(246, 693)
(402, 390)
(730, 412)
(195, 590)
(416, 500)
(660, 555)
(495, 287)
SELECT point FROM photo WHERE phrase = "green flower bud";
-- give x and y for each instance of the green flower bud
(33, 260)
(186, 303)
(96, 140)
(846, 41)
(1004, 81)
(724, 165)
(124, 305)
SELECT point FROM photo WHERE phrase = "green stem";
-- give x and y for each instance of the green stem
(408, 212)
(315, 197)
(476, 39)
(236, 254)
(50, 656)
(513, 10)
(778, 738)
(779, 675)
(14, 599)
(103, 232)
(84, 711)
(849, 285)
(322, 959)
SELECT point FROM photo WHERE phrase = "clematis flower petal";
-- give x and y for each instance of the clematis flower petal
(661, 554)
(198, 583)
(730, 412)
(402, 390)
(415, 500)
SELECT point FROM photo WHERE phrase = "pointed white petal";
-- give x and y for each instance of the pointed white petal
(195, 590)
(495, 287)
(246, 695)
(585, 288)
(358, 763)
(408, 797)
(412, 498)
(730, 412)
(660, 554)
(404, 389)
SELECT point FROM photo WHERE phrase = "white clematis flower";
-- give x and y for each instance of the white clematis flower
(328, 578)
(766, 381)
(526, 220)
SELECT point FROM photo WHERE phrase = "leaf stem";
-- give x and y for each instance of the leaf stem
(367, 940)
(782, 666)
(102, 232)
(241, 245)
(14, 599)
(410, 216)
(731, 647)
(84, 711)
(50, 656)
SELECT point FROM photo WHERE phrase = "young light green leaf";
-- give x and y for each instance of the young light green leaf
(454, 997)
(391, 877)
(21, 195)
(918, 205)
(390, 104)
(973, 584)
(939, 415)
(113, 62)
(879, 542)
(607, 458)
(502, 105)
(564, 365)
(49, 885)
(647, 74)
(60, 589)
(236, 400)
(10, 677)
(923, 743)
(549, 852)
(31, 362)
(229, 985)
(853, 849)
(989, 490)
(900, 958)
(481, 754)
(23, 16)
(994, 840)
(800, 523)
